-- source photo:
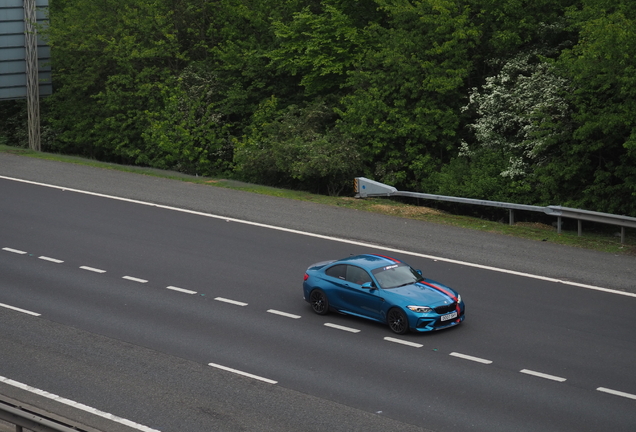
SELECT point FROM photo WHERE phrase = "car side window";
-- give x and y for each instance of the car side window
(338, 271)
(357, 275)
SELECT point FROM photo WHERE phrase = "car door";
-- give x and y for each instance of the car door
(361, 300)
(337, 278)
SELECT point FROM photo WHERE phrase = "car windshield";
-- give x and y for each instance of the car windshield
(396, 275)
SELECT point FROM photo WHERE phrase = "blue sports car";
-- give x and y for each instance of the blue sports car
(382, 289)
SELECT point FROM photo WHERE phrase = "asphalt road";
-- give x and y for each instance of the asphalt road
(136, 302)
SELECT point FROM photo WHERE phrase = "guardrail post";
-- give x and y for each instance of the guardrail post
(580, 223)
(558, 224)
(511, 219)
(622, 235)
(18, 428)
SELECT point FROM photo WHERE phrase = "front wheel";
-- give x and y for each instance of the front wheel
(319, 302)
(397, 320)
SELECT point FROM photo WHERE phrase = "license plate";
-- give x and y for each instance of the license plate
(450, 316)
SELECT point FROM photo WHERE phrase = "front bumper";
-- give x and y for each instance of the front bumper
(431, 322)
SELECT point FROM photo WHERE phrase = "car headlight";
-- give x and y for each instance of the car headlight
(459, 298)
(420, 309)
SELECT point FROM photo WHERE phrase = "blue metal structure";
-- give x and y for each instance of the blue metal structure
(14, 52)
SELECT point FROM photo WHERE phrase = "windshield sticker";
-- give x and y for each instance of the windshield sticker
(390, 267)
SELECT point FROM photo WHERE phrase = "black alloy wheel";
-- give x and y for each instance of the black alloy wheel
(319, 302)
(397, 320)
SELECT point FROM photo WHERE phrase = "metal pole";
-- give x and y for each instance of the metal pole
(33, 87)
(622, 235)
(512, 216)
(558, 224)
(580, 227)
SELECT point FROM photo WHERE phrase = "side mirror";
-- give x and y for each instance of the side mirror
(368, 285)
(419, 272)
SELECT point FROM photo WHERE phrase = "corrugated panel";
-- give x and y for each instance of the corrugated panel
(13, 52)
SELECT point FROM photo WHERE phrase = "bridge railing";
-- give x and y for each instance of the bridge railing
(25, 420)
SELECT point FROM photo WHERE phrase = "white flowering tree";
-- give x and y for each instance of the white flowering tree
(519, 113)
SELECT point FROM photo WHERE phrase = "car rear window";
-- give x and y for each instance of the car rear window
(338, 271)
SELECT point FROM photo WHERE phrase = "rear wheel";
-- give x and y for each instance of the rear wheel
(397, 320)
(319, 302)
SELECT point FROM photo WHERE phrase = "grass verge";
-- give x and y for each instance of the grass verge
(604, 239)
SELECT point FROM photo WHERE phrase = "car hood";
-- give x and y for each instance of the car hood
(426, 293)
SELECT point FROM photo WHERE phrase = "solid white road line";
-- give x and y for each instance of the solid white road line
(77, 405)
(234, 302)
(45, 258)
(92, 269)
(542, 375)
(339, 327)
(249, 375)
(471, 358)
(19, 310)
(15, 251)
(174, 288)
(341, 240)
(134, 279)
(403, 342)
(616, 392)
(285, 314)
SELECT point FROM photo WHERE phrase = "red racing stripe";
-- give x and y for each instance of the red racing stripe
(448, 293)
(387, 257)
(438, 288)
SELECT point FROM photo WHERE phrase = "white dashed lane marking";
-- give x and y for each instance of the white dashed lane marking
(542, 375)
(234, 302)
(134, 279)
(285, 314)
(174, 288)
(403, 342)
(339, 327)
(53, 260)
(92, 269)
(617, 393)
(293, 316)
(249, 375)
(471, 358)
(15, 251)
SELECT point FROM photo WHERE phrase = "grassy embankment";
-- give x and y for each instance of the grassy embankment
(602, 238)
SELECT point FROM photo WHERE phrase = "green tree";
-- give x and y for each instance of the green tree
(510, 26)
(517, 117)
(244, 37)
(14, 124)
(188, 134)
(598, 168)
(322, 45)
(406, 92)
(109, 58)
(293, 146)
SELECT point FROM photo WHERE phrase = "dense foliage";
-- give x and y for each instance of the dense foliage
(510, 100)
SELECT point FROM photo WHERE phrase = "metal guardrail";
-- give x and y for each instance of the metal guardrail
(24, 419)
(370, 188)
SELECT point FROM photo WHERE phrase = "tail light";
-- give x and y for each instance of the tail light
(306, 277)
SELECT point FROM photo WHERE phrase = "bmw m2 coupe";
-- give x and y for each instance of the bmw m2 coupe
(382, 289)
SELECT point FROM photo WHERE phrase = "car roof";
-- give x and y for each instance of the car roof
(369, 261)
